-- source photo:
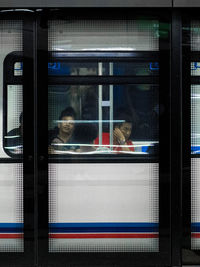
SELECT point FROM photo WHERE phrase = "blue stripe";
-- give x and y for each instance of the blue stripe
(195, 227)
(195, 149)
(11, 227)
(111, 224)
(102, 227)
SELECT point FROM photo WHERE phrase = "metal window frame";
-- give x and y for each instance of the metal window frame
(189, 256)
(87, 3)
(122, 259)
(28, 256)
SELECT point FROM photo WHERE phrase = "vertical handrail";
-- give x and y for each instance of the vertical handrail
(111, 106)
(100, 67)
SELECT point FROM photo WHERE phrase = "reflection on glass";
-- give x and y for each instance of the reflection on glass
(13, 140)
(105, 119)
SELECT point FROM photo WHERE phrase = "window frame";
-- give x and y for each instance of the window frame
(27, 257)
(125, 259)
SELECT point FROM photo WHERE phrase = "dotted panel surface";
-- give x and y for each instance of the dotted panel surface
(11, 206)
(195, 199)
(11, 175)
(91, 35)
(83, 193)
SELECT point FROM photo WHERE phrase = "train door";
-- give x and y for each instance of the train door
(16, 140)
(104, 183)
(191, 56)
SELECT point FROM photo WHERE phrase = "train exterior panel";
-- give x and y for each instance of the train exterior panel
(11, 174)
(99, 206)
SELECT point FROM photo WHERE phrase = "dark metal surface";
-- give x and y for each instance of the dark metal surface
(26, 257)
(176, 138)
(186, 145)
(85, 3)
(102, 80)
(186, 3)
(42, 136)
(28, 139)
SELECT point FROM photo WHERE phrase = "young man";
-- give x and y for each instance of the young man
(121, 134)
(63, 139)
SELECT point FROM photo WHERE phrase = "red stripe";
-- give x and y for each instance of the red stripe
(103, 235)
(11, 235)
(195, 235)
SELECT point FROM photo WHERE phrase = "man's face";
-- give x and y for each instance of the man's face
(67, 125)
(126, 129)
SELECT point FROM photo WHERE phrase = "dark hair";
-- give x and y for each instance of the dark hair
(122, 115)
(69, 111)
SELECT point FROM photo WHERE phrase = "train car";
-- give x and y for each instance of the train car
(99, 134)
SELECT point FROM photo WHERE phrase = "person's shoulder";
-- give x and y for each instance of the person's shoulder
(52, 134)
(56, 140)
(105, 139)
(14, 132)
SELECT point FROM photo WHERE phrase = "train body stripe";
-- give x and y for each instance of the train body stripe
(11, 225)
(8, 236)
(105, 224)
(9, 228)
(102, 227)
(104, 235)
(195, 227)
(195, 235)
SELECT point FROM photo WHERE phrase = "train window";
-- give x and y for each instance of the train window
(102, 111)
(14, 137)
(18, 69)
(124, 120)
(11, 171)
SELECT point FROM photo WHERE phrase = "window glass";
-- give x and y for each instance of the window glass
(14, 137)
(103, 119)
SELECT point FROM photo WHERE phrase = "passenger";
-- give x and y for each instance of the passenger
(85, 135)
(121, 135)
(14, 138)
(63, 139)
